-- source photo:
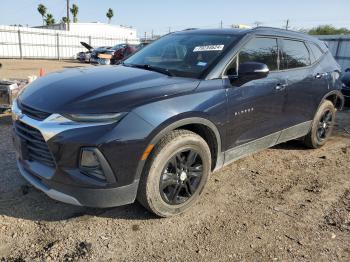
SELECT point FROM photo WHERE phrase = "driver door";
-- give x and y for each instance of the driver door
(255, 108)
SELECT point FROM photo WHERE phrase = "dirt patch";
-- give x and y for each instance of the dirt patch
(339, 215)
(21, 69)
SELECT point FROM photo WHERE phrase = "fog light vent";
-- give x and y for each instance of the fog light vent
(89, 159)
(90, 163)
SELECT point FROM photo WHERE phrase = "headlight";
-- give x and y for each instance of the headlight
(95, 118)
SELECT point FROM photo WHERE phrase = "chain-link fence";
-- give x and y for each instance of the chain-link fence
(21, 42)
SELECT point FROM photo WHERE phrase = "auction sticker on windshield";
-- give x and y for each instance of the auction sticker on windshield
(206, 48)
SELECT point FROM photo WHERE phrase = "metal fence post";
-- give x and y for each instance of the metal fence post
(339, 41)
(58, 46)
(20, 44)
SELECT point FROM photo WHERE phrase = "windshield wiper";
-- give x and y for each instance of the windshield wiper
(152, 68)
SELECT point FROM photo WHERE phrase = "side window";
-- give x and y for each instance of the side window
(232, 69)
(316, 51)
(263, 50)
(295, 54)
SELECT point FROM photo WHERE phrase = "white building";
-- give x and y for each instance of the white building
(241, 26)
(95, 29)
(54, 42)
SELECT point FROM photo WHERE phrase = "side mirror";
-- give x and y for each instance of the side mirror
(252, 70)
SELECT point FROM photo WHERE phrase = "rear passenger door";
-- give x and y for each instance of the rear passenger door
(300, 76)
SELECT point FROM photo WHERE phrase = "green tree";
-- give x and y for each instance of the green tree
(42, 11)
(328, 30)
(110, 14)
(49, 19)
(75, 10)
(64, 20)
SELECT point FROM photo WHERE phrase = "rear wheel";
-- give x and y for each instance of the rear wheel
(176, 173)
(322, 125)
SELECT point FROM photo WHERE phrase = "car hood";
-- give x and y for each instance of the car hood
(102, 89)
(87, 46)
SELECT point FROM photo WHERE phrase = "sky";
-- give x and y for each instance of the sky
(162, 16)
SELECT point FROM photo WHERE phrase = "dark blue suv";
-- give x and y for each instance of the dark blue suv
(155, 127)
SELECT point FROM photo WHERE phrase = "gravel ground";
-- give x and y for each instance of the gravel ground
(21, 69)
(286, 203)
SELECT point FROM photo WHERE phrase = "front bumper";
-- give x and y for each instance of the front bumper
(64, 180)
(101, 198)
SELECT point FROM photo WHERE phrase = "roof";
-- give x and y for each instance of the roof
(258, 30)
(225, 31)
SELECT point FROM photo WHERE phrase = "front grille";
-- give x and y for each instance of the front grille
(35, 143)
(32, 112)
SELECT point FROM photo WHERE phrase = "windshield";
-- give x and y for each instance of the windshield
(185, 55)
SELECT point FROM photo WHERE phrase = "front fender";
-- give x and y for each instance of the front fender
(206, 108)
(172, 124)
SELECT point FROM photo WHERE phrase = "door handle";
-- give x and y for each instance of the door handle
(280, 87)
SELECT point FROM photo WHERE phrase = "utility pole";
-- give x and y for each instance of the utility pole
(169, 29)
(257, 23)
(287, 24)
(221, 24)
(68, 20)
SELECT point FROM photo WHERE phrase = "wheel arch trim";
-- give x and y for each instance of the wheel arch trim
(339, 96)
(160, 132)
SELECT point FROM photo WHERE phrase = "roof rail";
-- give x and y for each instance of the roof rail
(188, 29)
(270, 27)
(277, 29)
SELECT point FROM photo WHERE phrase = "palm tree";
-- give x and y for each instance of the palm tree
(109, 14)
(42, 10)
(49, 19)
(64, 20)
(74, 10)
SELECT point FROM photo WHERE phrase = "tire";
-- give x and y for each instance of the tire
(316, 138)
(176, 151)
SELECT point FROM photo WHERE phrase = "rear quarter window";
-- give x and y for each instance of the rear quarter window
(316, 51)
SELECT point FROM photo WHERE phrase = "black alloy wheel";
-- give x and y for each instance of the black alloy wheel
(324, 125)
(175, 173)
(181, 177)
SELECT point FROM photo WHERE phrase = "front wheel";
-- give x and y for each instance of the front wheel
(176, 173)
(322, 125)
